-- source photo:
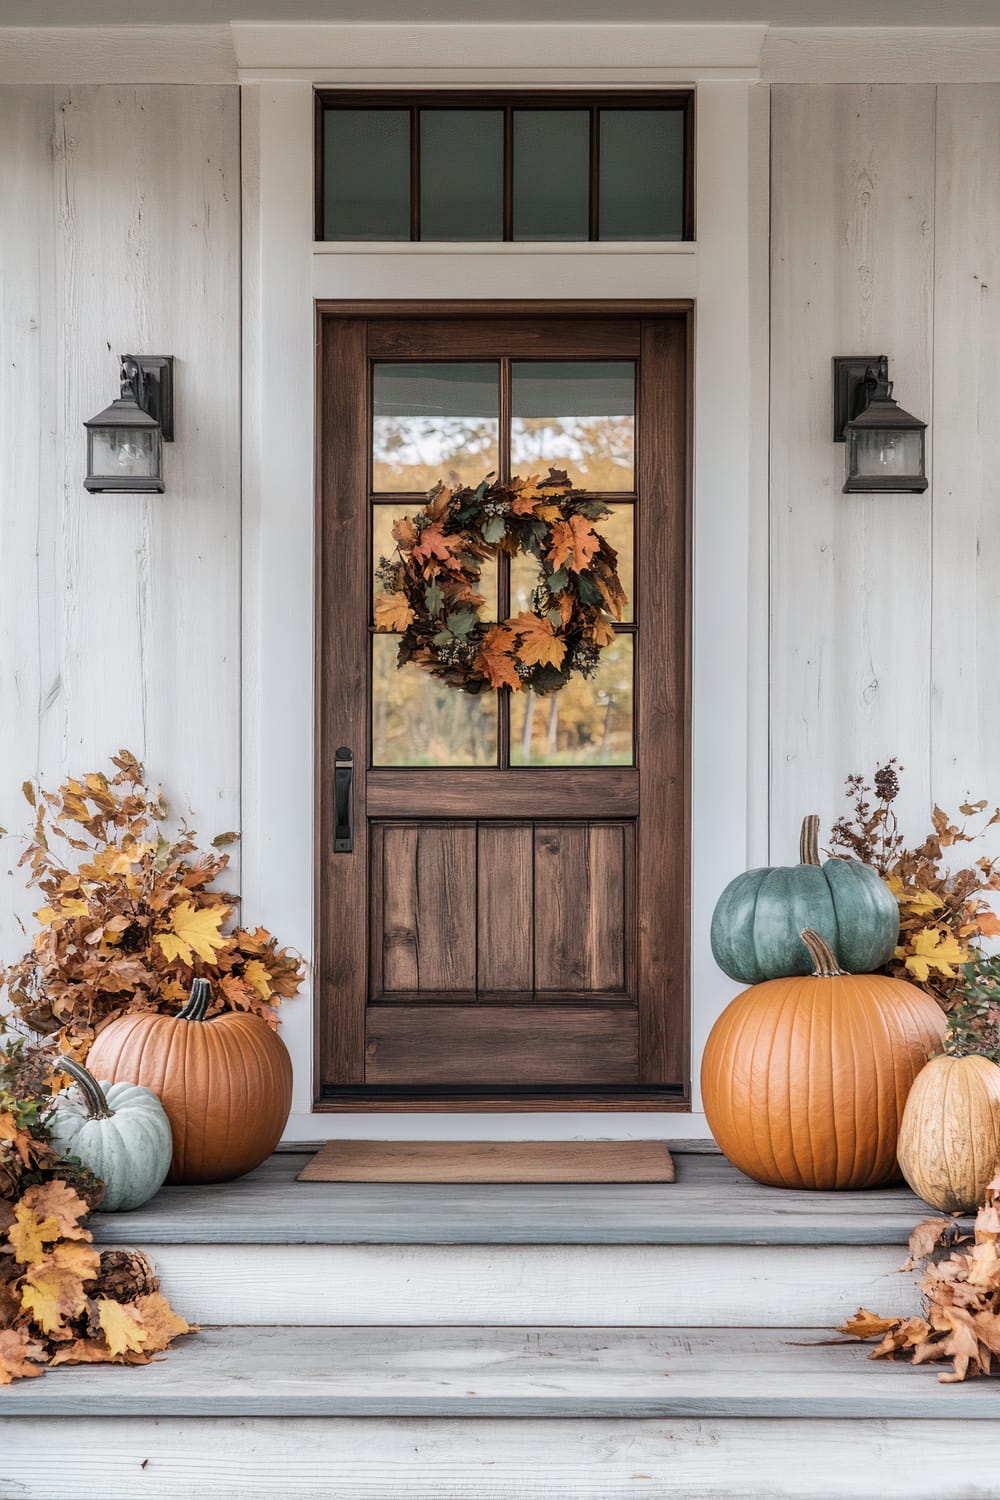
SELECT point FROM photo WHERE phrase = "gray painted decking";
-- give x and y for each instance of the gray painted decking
(506, 1372)
(711, 1203)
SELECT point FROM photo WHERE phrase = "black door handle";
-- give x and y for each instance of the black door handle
(343, 801)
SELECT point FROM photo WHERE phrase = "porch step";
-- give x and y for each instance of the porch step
(713, 1248)
(732, 1373)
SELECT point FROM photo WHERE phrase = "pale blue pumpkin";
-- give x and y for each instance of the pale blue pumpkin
(760, 914)
(119, 1131)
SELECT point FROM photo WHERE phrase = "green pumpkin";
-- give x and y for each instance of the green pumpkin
(759, 916)
(119, 1130)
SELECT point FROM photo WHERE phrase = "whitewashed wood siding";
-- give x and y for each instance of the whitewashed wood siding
(885, 610)
(119, 614)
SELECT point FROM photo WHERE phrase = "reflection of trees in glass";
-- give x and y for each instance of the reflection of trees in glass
(418, 721)
(597, 452)
(413, 453)
(586, 723)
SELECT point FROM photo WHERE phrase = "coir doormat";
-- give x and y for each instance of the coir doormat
(490, 1161)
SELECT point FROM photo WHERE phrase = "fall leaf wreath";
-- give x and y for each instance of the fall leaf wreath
(430, 586)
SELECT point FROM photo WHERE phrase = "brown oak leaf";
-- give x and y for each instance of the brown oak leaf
(392, 612)
(867, 1325)
(20, 1355)
(160, 1322)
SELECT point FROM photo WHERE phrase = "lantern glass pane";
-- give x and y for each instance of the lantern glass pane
(887, 454)
(124, 453)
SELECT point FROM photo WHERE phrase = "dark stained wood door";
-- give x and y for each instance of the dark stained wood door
(502, 921)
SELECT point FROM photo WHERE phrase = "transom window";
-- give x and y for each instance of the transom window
(471, 167)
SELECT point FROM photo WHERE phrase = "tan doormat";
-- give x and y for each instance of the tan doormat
(490, 1161)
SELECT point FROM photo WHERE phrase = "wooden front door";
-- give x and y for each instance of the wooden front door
(502, 878)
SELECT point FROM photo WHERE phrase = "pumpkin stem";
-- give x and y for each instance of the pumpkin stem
(198, 1002)
(825, 965)
(98, 1107)
(809, 840)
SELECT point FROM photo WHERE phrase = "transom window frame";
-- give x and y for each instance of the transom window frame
(680, 100)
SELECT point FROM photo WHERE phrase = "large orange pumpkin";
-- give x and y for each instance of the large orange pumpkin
(225, 1083)
(804, 1079)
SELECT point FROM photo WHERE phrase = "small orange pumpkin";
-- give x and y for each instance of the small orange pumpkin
(804, 1079)
(225, 1083)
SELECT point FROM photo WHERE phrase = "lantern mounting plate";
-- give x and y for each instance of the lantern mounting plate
(849, 372)
(158, 370)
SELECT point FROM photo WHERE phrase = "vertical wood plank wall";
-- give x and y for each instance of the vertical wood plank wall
(119, 614)
(885, 611)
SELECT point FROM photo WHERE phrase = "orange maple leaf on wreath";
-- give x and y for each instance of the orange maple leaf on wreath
(574, 543)
(433, 543)
(495, 661)
(539, 643)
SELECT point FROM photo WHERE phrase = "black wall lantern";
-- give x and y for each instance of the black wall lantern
(124, 450)
(885, 445)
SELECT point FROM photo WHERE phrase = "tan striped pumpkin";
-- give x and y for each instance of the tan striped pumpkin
(804, 1079)
(949, 1143)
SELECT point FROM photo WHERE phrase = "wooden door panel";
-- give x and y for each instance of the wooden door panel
(501, 1046)
(612, 791)
(426, 907)
(505, 899)
(580, 907)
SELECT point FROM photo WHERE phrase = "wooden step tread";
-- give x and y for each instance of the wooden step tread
(711, 1203)
(284, 1372)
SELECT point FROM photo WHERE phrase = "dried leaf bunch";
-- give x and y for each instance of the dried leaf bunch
(961, 1288)
(944, 913)
(130, 916)
(62, 1301)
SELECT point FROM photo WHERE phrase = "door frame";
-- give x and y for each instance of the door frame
(358, 1098)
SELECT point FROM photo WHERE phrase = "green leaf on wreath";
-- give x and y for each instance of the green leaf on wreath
(557, 581)
(594, 510)
(494, 529)
(548, 679)
(555, 617)
(461, 622)
(434, 598)
(587, 589)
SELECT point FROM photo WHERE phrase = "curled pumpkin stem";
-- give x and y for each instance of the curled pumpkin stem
(825, 965)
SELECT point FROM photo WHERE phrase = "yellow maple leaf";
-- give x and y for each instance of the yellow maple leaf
(922, 901)
(257, 975)
(194, 930)
(392, 612)
(934, 948)
(54, 1290)
(121, 1326)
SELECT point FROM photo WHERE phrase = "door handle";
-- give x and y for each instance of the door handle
(343, 802)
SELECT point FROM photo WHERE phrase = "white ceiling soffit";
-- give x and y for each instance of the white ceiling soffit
(772, 13)
(539, 54)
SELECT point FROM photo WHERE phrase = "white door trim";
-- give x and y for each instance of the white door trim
(283, 272)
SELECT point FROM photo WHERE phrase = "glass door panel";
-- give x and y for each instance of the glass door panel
(431, 422)
(577, 416)
(588, 723)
